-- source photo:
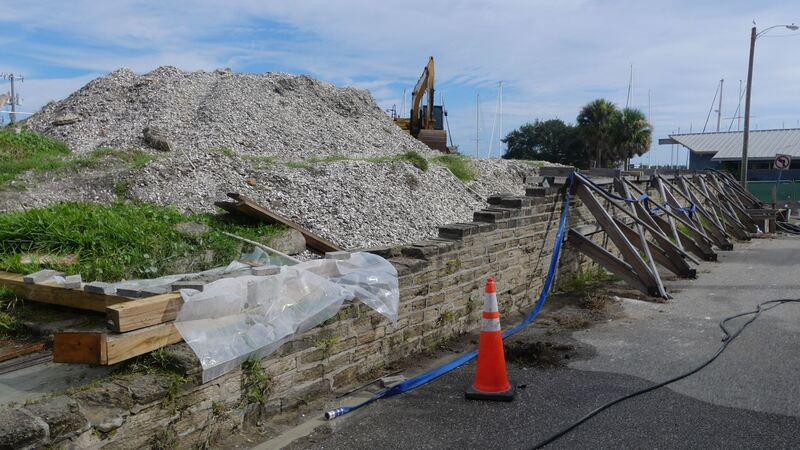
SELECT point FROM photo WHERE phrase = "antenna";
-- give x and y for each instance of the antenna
(14, 98)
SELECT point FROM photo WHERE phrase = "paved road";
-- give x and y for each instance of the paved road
(748, 398)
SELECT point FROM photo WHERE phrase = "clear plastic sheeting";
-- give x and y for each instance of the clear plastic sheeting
(369, 278)
(234, 319)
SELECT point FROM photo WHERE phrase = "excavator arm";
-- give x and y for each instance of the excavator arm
(424, 86)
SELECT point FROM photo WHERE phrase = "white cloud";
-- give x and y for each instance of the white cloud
(553, 56)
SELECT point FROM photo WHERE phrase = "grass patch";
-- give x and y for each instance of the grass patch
(412, 157)
(224, 151)
(10, 307)
(27, 150)
(458, 166)
(258, 384)
(265, 160)
(133, 158)
(586, 280)
(112, 242)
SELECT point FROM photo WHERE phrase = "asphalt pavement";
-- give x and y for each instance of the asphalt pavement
(748, 398)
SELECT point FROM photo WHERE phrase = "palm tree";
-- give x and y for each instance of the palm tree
(632, 134)
(595, 124)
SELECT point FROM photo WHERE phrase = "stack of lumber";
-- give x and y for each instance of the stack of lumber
(135, 326)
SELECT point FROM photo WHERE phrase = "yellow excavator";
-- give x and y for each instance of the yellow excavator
(426, 122)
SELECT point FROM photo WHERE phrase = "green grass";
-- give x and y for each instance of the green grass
(28, 151)
(112, 242)
(458, 166)
(225, 151)
(586, 280)
(134, 158)
(412, 157)
(10, 307)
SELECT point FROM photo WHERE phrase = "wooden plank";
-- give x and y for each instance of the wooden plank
(249, 207)
(111, 348)
(608, 261)
(77, 347)
(675, 253)
(144, 312)
(55, 295)
(124, 346)
(12, 350)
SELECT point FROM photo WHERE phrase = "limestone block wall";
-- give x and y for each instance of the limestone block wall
(441, 282)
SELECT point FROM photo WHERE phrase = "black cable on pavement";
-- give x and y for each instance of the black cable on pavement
(727, 339)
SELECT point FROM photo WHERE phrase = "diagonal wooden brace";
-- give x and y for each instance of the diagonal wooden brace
(609, 262)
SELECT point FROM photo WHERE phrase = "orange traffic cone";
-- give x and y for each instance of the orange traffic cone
(491, 379)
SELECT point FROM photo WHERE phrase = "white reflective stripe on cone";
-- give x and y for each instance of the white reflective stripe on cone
(490, 324)
(490, 303)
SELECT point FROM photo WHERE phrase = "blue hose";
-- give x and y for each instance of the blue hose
(431, 375)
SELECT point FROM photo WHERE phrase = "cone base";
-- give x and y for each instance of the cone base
(503, 396)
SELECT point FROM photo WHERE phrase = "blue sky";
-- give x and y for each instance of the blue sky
(552, 57)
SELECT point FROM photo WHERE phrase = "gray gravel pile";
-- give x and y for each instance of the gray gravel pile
(353, 203)
(219, 132)
(271, 114)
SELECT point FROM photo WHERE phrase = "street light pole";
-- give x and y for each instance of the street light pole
(746, 136)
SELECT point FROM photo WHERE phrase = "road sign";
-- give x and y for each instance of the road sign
(782, 162)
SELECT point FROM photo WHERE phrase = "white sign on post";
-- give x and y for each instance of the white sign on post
(782, 162)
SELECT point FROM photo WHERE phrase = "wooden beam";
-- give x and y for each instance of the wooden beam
(629, 254)
(56, 295)
(109, 348)
(688, 243)
(640, 241)
(659, 255)
(249, 207)
(608, 261)
(144, 312)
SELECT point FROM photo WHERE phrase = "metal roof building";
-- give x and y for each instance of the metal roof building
(727, 146)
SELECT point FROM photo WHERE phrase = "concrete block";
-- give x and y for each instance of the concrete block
(265, 270)
(337, 255)
(42, 275)
(73, 282)
(129, 292)
(178, 285)
(392, 380)
(99, 287)
(155, 290)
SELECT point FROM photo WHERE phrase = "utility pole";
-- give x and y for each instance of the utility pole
(746, 135)
(719, 108)
(477, 123)
(14, 100)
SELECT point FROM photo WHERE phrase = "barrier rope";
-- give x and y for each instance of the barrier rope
(431, 375)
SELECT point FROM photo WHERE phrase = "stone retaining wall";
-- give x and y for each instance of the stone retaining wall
(441, 283)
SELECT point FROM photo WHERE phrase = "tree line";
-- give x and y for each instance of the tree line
(603, 136)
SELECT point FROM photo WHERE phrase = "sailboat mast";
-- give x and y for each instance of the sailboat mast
(719, 108)
(477, 123)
